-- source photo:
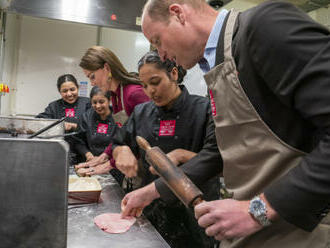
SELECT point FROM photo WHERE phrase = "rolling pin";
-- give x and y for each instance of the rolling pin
(175, 179)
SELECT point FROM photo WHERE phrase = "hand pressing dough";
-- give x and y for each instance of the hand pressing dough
(113, 223)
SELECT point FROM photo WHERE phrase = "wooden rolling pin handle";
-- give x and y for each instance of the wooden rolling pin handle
(143, 143)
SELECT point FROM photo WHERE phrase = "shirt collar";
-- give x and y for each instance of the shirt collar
(212, 42)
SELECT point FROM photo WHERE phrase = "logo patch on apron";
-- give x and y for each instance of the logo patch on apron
(102, 128)
(69, 112)
(214, 110)
(119, 124)
(167, 128)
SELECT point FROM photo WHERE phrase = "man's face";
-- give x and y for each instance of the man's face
(172, 40)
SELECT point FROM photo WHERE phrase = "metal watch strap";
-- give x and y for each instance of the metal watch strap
(263, 220)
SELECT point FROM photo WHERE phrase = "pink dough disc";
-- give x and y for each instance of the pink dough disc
(113, 223)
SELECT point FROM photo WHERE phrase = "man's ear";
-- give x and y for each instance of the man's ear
(177, 11)
(175, 74)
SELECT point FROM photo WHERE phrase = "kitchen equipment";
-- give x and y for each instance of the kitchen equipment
(84, 190)
(22, 127)
(33, 189)
(46, 128)
(33, 184)
(172, 175)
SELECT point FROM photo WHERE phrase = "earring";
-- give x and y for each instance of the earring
(109, 76)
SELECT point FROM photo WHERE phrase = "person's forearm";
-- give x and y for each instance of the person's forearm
(118, 150)
(152, 190)
(198, 169)
(185, 156)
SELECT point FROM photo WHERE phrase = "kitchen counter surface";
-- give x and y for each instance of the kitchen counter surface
(83, 233)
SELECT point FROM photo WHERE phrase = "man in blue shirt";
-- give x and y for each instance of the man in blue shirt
(268, 72)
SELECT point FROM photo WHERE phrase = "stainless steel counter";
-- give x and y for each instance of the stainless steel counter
(82, 231)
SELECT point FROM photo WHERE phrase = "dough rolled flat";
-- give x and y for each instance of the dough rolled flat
(113, 223)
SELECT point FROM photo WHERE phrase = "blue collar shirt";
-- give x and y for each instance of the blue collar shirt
(208, 61)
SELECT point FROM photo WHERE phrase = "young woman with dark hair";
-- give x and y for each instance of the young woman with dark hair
(97, 128)
(182, 126)
(71, 106)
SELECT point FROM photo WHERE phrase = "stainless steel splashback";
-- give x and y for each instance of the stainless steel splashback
(122, 14)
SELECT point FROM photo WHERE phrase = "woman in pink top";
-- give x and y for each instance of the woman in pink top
(105, 70)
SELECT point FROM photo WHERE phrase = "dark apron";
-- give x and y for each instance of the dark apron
(253, 155)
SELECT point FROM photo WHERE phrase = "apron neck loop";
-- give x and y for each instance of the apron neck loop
(229, 34)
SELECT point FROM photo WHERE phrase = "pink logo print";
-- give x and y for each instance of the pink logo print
(214, 110)
(167, 128)
(69, 112)
(102, 128)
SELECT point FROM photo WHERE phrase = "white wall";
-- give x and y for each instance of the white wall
(47, 50)
(10, 59)
(194, 81)
(129, 46)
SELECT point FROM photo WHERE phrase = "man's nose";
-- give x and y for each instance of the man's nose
(162, 54)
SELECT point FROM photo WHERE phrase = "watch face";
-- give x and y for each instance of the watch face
(257, 207)
(258, 210)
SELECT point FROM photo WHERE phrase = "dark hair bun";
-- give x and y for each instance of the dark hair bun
(152, 57)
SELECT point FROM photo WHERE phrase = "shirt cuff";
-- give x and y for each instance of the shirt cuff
(108, 150)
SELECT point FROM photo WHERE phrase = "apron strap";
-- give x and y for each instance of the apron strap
(122, 97)
(229, 34)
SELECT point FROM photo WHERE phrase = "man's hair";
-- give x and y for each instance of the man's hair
(158, 9)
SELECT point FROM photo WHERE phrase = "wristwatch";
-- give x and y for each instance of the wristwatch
(258, 210)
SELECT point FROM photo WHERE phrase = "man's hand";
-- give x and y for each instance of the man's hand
(96, 160)
(134, 202)
(226, 219)
(125, 161)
